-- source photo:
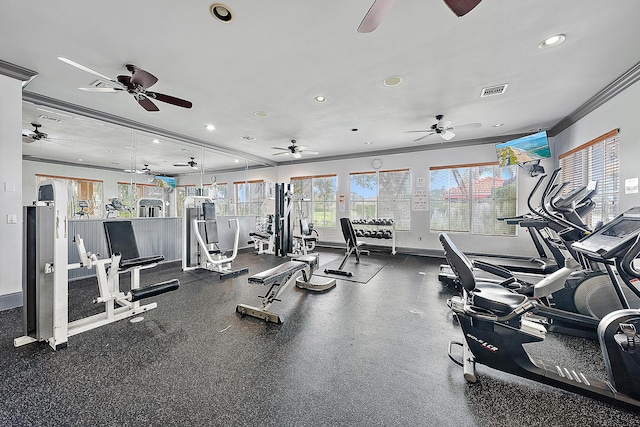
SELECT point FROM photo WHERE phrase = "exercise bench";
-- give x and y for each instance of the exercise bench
(278, 279)
(353, 246)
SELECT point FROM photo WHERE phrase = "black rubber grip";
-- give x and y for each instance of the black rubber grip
(153, 290)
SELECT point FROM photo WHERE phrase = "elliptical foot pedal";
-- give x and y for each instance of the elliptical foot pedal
(267, 316)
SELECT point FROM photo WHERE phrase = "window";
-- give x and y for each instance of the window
(250, 197)
(321, 190)
(87, 196)
(471, 198)
(220, 194)
(597, 160)
(384, 194)
(129, 195)
(222, 198)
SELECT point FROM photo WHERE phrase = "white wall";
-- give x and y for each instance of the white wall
(419, 162)
(110, 179)
(620, 112)
(10, 191)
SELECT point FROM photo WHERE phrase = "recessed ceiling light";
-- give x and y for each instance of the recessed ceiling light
(261, 114)
(236, 161)
(210, 127)
(221, 12)
(79, 160)
(552, 41)
(320, 99)
(368, 143)
(497, 125)
(392, 81)
(155, 141)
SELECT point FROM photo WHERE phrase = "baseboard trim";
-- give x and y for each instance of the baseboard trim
(10, 301)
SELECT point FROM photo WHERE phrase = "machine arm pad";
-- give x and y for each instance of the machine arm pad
(153, 290)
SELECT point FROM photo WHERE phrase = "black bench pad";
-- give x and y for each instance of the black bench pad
(139, 262)
(277, 273)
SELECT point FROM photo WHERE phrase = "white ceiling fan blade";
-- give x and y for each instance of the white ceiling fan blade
(297, 155)
(444, 124)
(301, 147)
(102, 89)
(87, 69)
(286, 153)
(315, 153)
(423, 137)
(412, 131)
(375, 15)
(279, 148)
(180, 164)
(28, 133)
(447, 135)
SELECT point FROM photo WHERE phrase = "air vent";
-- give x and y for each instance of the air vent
(103, 83)
(52, 119)
(494, 90)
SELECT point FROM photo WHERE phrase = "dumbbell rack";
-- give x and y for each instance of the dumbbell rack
(376, 229)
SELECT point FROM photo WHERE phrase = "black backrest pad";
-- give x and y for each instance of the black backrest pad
(121, 239)
(211, 224)
(459, 263)
(348, 232)
(304, 228)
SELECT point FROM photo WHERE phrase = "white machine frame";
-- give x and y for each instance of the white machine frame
(51, 309)
(216, 262)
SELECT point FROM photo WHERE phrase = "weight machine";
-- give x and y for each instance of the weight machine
(45, 281)
(200, 244)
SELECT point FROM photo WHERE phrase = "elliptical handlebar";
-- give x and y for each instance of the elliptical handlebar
(551, 217)
(627, 260)
(535, 189)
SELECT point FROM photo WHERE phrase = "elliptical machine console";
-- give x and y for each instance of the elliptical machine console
(495, 329)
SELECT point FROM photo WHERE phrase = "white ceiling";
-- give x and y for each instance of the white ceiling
(276, 56)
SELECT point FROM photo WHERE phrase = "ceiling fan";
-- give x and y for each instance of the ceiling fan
(443, 128)
(380, 8)
(33, 135)
(36, 134)
(293, 150)
(191, 163)
(136, 84)
(145, 170)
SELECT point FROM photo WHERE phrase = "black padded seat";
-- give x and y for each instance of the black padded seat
(311, 260)
(277, 274)
(498, 300)
(139, 262)
(259, 235)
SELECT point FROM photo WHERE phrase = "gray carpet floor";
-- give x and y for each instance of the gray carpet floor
(371, 354)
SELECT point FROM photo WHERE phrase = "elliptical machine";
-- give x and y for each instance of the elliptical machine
(495, 329)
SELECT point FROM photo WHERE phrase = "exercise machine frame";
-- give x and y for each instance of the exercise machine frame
(278, 278)
(45, 278)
